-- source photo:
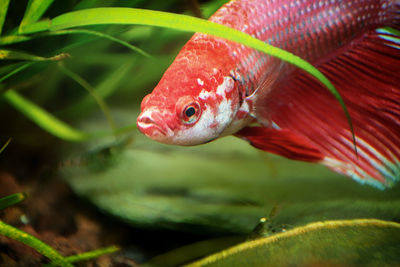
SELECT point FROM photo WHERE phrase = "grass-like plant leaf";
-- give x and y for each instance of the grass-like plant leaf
(88, 255)
(15, 71)
(5, 145)
(34, 11)
(98, 16)
(16, 55)
(102, 35)
(35, 243)
(105, 88)
(12, 39)
(56, 258)
(38, 245)
(92, 254)
(3, 12)
(11, 200)
(100, 102)
(43, 118)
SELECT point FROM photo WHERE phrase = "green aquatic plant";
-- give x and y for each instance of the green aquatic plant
(11, 200)
(5, 145)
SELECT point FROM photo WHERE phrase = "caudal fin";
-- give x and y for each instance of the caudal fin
(368, 77)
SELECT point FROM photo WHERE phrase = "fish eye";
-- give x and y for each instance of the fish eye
(191, 113)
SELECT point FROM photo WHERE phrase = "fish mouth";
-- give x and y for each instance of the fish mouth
(149, 127)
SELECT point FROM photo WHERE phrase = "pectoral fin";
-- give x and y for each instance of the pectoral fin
(281, 142)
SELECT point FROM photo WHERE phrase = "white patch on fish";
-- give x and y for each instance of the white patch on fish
(226, 86)
(200, 132)
(204, 94)
(225, 112)
(238, 124)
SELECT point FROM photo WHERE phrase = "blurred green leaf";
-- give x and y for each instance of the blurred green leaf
(92, 254)
(362, 242)
(34, 11)
(21, 38)
(209, 8)
(99, 100)
(187, 253)
(11, 200)
(104, 89)
(102, 35)
(84, 4)
(43, 118)
(16, 55)
(3, 12)
(5, 145)
(12, 39)
(15, 71)
(225, 186)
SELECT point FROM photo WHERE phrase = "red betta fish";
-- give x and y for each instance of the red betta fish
(217, 87)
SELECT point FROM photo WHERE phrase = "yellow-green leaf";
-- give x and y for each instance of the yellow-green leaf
(360, 242)
(35, 243)
(3, 12)
(34, 12)
(43, 118)
(16, 55)
(5, 145)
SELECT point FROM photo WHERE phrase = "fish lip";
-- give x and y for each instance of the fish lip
(150, 128)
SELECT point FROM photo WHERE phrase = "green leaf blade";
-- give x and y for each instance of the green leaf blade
(15, 71)
(3, 12)
(44, 119)
(16, 55)
(104, 89)
(105, 36)
(11, 200)
(35, 243)
(5, 145)
(92, 92)
(92, 254)
(34, 12)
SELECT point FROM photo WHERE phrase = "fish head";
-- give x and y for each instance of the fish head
(191, 105)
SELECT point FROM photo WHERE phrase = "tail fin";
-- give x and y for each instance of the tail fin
(368, 78)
